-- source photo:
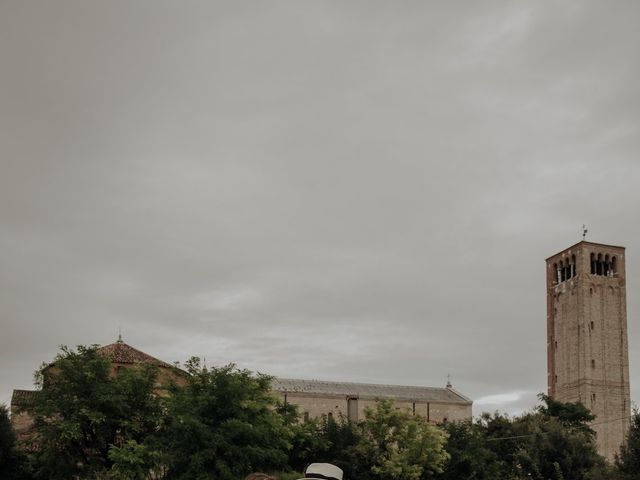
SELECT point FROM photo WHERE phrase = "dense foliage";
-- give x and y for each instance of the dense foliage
(388, 444)
(84, 410)
(11, 459)
(222, 425)
(400, 445)
(91, 423)
(628, 462)
(554, 442)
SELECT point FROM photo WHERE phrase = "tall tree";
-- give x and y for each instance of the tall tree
(552, 450)
(628, 462)
(12, 461)
(325, 439)
(554, 442)
(223, 424)
(471, 455)
(401, 446)
(573, 415)
(560, 444)
(84, 409)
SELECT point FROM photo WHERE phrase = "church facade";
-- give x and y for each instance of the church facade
(313, 398)
(316, 397)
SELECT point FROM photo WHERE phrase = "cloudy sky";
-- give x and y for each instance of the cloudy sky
(350, 190)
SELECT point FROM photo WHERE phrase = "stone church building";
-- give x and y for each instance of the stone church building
(313, 397)
(317, 397)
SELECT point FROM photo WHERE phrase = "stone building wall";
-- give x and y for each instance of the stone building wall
(587, 337)
(313, 398)
(312, 406)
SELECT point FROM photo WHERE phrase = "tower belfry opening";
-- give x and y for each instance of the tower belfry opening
(587, 352)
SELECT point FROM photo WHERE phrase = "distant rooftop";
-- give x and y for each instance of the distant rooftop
(369, 390)
(20, 397)
(120, 352)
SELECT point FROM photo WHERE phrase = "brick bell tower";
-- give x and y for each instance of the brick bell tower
(587, 353)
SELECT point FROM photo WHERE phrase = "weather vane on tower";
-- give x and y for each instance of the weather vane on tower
(584, 231)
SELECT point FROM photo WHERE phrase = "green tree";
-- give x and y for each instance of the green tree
(573, 415)
(83, 410)
(135, 461)
(504, 437)
(628, 462)
(223, 425)
(471, 455)
(325, 439)
(343, 439)
(388, 444)
(553, 442)
(308, 440)
(560, 444)
(12, 461)
(552, 450)
(399, 445)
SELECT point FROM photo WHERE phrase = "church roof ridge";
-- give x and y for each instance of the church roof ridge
(121, 352)
(358, 383)
(460, 394)
(369, 390)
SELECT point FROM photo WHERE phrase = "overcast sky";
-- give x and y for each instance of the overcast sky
(349, 190)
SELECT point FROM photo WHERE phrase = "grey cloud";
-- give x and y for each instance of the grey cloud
(355, 191)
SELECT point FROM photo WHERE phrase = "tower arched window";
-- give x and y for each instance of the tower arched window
(599, 264)
(564, 269)
(603, 264)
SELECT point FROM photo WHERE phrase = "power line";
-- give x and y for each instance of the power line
(546, 433)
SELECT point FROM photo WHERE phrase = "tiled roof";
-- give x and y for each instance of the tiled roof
(120, 352)
(20, 397)
(368, 390)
